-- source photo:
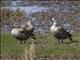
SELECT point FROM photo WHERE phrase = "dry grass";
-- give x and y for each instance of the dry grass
(9, 15)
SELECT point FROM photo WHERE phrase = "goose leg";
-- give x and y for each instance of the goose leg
(62, 41)
(24, 41)
(21, 42)
(58, 41)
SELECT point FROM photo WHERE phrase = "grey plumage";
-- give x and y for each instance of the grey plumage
(59, 32)
(23, 32)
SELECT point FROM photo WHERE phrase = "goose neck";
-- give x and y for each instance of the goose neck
(55, 23)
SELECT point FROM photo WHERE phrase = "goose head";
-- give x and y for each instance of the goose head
(27, 24)
(54, 21)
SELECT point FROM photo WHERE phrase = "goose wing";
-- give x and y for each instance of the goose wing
(63, 31)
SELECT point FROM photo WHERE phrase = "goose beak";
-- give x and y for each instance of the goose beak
(52, 19)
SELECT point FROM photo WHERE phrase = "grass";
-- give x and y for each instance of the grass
(46, 46)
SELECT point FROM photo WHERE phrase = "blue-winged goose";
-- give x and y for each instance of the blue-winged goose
(23, 32)
(59, 32)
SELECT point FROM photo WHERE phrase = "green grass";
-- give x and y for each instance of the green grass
(46, 46)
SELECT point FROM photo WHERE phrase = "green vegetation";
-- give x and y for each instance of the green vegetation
(46, 46)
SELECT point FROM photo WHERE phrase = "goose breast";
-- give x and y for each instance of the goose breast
(54, 29)
(17, 32)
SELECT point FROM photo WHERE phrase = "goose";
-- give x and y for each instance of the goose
(59, 32)
(23, 32)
